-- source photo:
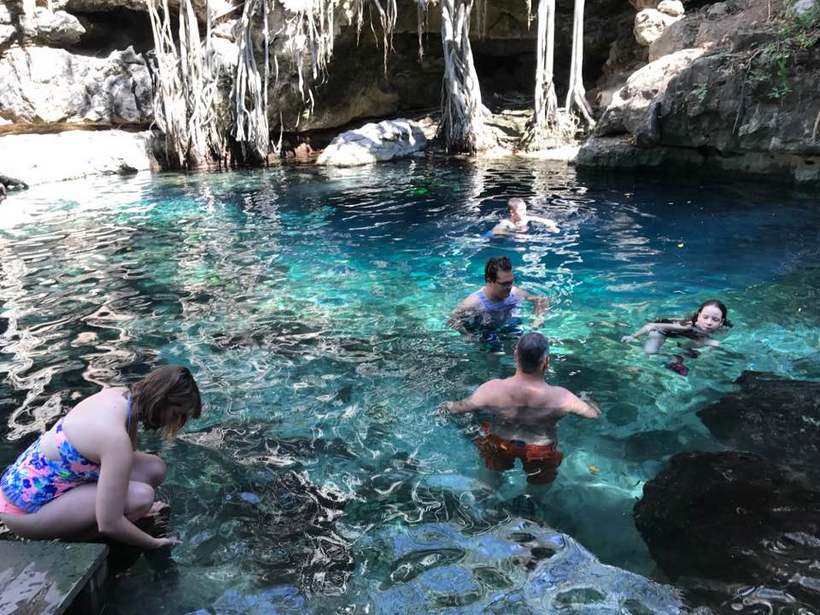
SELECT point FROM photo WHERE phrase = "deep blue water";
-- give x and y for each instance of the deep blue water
(312, 305)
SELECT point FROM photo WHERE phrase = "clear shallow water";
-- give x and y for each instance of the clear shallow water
(311, 306)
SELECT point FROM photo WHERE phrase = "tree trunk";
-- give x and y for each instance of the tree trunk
(576, 94)
(544, 121)
(461, 128)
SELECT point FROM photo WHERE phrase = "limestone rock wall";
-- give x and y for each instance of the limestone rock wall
(86, 64)
(713, 97)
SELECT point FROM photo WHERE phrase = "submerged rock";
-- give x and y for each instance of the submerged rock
(734, 517)
(518, 567)
(374, 143)
(771, 416)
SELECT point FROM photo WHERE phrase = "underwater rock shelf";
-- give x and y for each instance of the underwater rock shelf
(51, 577)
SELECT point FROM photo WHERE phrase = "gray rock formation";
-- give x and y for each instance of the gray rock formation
(386, 140)
(705, 107)
(631, 110)
(53, 88)
(36, 159)
(56, 28)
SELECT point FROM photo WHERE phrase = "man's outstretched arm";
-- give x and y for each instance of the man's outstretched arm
(541, 305)
(550, 224)
(460, 407)
(479, 399)
(572, 404)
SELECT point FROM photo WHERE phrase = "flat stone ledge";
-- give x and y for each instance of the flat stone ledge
(47, 577)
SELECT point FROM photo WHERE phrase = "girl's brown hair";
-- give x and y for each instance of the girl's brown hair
(164, 399)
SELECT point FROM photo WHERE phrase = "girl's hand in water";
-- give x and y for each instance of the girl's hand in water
(712, 343)
(167, 542)
(628, 339)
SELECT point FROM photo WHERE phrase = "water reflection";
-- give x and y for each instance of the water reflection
(311, 304)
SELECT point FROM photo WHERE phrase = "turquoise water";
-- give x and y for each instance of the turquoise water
(312, 304)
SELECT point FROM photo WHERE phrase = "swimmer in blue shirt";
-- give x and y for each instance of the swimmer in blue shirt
(519, 220)
(493, 309)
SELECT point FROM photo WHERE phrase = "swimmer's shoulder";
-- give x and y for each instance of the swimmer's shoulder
(555, 398)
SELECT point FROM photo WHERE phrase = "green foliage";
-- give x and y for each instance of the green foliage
(701, 91)
(770, 65)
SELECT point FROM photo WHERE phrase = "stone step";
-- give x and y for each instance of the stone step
(51, 577)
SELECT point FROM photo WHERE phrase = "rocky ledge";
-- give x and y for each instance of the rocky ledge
(728, 87)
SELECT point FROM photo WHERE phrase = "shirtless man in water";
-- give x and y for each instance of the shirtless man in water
(524, 413)
(518, 220)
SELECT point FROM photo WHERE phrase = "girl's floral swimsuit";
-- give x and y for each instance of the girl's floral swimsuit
(34, 480)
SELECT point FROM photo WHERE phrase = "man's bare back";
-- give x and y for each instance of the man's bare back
(524, 407)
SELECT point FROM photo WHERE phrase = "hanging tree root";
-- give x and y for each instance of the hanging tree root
(576, 94)
(185, 88)
(462, 128)
(546, 128)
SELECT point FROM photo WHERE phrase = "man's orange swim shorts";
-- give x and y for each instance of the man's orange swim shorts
(540, 461)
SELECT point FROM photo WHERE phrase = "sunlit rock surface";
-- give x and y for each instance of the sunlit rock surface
(519, 567)
(37, 159)
(386, 140)
(51, 28)
(701, 108)
(48, 88)
(631, 108)
(650, 24)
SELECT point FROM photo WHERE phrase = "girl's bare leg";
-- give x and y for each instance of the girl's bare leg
(148, 469)
(73, 514)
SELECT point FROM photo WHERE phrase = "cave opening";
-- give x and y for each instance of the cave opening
(506, 73)
(114, 29)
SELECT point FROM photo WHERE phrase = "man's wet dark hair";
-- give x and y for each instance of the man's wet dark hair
(494, 265)
(531, 350)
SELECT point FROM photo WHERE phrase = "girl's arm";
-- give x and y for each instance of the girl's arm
(656, 326)
(112, 493)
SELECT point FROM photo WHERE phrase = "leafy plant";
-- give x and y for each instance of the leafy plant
(770, 64)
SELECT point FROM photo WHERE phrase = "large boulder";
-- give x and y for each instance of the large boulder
(771, 416)
(680, 35)
(714, 98)
(386, 140)
(634, 107)
(36, 159)
(707, 110)
(46, 87)
(56, 28)
(730, 518)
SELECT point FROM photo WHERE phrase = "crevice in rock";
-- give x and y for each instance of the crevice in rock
(113, 30)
